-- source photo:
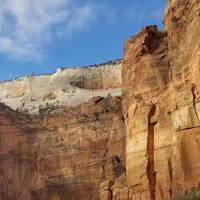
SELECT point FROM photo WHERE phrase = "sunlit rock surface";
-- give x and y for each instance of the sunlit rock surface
(62, 155)
(66, 87)
(160, 81)
(80, 145)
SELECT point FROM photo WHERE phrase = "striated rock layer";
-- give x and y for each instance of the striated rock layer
(68, 154)
(81, 152)
(161, 104)
(66, 87)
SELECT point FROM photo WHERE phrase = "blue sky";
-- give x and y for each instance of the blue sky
(38, 36)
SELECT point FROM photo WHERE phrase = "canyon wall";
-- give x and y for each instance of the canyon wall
(85, 142)
(73, 153)
(66, 87)
(161, 93)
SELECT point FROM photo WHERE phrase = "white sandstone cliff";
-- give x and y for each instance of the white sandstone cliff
(66, 87)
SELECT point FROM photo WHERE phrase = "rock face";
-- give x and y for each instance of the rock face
(66, 154)
(160, 81)
(66, 87)
(76, 149)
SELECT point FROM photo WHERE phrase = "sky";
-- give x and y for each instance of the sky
(39, 36)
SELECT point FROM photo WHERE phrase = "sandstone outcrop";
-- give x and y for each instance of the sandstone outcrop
(160, 82)
(85, 142)
(66, 87)
(67, 154)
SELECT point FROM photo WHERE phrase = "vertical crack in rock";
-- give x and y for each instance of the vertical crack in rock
(151, 174)
(170, 176)
(111, 193)
(194, 102)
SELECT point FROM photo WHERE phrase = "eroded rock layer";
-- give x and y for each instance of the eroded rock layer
(66, 87)
(160, 81)
(64, 154)
(81, 152)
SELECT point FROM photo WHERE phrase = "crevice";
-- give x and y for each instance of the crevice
(151, 174)
(104, 164)
(194, 102)
(170, 169)
(111, 193)
(188, 128)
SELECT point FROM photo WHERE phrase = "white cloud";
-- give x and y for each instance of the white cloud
(27, 26)
(78, 20)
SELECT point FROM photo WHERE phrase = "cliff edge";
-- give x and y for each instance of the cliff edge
(160, 83)
(67, 87)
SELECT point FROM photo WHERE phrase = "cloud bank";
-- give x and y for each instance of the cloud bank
(28, 26)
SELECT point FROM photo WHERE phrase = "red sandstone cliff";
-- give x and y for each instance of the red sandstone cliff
(160, 81)
(82, 153)
(66, 154)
